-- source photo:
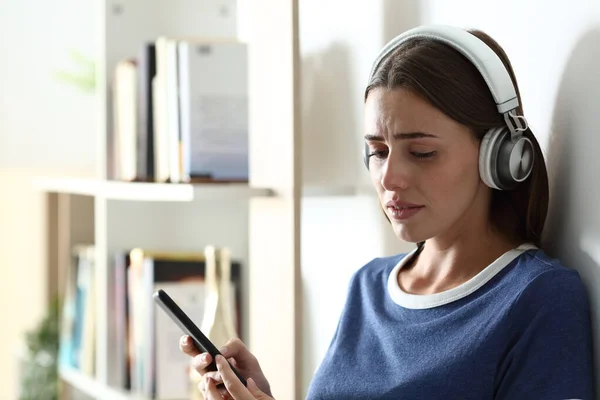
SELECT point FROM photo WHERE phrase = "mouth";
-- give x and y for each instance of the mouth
(402, 213)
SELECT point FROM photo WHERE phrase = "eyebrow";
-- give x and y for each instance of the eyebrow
(402, 136)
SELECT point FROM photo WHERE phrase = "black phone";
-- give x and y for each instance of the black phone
(185, 323)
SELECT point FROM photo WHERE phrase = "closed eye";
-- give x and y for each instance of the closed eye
(378, 153)
(382, 154)
(424, 155)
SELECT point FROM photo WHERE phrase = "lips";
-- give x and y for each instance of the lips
(401, 210)
(401, 204)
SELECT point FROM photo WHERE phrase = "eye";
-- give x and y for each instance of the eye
(424, 155)
(378, 154)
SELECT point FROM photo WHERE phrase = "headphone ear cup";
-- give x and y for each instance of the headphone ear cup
(503, 164)
(515, 161)
(488, 157)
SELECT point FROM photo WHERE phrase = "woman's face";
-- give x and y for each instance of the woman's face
(424, 166)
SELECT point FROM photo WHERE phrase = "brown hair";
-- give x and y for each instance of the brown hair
(450, 82)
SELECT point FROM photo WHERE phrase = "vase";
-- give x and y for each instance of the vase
(219, 318)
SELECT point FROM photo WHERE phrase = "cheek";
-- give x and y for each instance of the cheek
(376, 180)
(453, 183)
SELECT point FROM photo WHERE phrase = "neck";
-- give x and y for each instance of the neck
(448, 261)
(463, 251)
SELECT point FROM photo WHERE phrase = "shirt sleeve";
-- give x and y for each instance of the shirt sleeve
(550, 354)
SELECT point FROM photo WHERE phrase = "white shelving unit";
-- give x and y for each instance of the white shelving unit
(259, 221)
(92, 387)
(144, 191)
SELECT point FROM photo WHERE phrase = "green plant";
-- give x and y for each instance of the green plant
(39, 370)
(85, 78)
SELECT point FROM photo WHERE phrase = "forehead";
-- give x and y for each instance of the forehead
(400, 108)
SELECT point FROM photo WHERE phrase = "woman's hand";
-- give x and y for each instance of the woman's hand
(236, 389)
(237, 354)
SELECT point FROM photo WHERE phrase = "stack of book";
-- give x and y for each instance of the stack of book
(180, 112)
(144, 342)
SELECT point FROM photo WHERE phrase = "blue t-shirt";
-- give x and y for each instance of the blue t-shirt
(520, 329)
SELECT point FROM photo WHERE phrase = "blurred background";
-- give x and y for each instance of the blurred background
(54, 115)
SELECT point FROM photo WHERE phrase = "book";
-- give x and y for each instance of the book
(180, 112)
(151, 359)
(145, 136)
(213, 85)
(125, 120)
(77, 333)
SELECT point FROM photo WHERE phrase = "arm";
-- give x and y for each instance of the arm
(550, 353)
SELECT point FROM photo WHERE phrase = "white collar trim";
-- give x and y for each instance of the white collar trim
(420, 301)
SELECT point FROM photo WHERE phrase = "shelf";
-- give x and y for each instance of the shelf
(93, 388)
(147, 191)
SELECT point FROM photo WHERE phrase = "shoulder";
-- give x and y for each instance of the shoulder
(547, 287)
(539, 271)
(549, 338)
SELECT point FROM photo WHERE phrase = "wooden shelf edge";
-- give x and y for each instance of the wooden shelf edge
(92, 387)
(147, 191)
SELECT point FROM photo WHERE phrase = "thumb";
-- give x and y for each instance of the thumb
(256, 392)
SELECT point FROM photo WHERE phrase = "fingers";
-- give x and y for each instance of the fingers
(201, 361)
(224, 393)
(256, 392)
(211, 391)
(232, 383)
(221, 390)
(234, 349)
(186, 345)
(214, 375)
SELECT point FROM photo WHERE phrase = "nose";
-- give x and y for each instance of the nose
(395, 174)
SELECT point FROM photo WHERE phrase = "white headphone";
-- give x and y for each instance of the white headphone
(505, 155)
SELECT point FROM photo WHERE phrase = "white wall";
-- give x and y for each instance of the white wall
(554, 50)
(553, 47)
(45, 128)
(339, 234)
(40, 117)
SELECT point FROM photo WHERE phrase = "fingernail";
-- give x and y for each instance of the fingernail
(185, 340)
(203, 357)
(219, 359)
(224, 350)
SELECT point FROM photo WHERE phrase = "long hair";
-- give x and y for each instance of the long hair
(450, 82)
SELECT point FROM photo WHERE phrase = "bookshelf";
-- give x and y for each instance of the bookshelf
(145, 191)
(91, 387)
(258, 220)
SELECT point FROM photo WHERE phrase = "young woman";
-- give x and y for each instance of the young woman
(478, 310)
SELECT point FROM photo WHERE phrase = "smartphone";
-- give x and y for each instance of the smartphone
(185, 323)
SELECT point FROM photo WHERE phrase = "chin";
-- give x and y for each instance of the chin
(409, 235)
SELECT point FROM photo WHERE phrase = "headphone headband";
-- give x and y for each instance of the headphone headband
(488, 63)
